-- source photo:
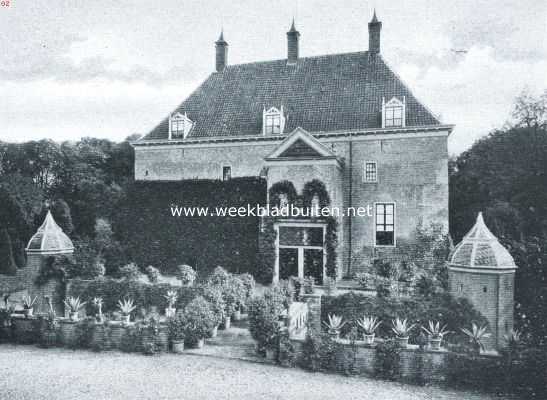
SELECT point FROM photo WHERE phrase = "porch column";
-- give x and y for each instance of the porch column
(276, 264)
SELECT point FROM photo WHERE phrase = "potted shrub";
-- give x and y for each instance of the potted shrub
(49, 335)
(98, 304)
(186, 275)
(74, 304)
(334, 325)
(126, 307)
(369, 326)
(402, 329)
(213, 295)
(199, 320)
(28, 303)
(435, 333)
(171, 298)
(476, 336)
(177, 333)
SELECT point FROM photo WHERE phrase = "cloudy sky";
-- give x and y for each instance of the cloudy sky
(110, 68)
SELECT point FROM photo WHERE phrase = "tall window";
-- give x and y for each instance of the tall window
(179, 126)
(393, 113)
(273, 121)
(273, 124)
(226, 173)
(385, 224)
(371, 172)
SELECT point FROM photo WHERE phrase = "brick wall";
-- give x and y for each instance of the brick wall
(492, 296)
(412, 173)
(24, 283)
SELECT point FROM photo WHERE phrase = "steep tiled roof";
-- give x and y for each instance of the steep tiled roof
(320, 94)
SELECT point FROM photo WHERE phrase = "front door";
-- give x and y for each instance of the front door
(300, 251)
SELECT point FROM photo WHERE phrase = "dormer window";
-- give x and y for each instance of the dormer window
(393, 113)
(273, 121)
(179, 126)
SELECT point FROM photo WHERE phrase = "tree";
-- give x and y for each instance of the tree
(504, 176)
(7, 263)
(62, 215)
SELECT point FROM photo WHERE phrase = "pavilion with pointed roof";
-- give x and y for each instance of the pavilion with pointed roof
(483, 271)
(49, 239)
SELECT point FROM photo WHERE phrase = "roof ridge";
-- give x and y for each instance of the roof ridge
(300, 58)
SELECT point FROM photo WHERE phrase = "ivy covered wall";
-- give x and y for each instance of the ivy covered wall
(153, 236)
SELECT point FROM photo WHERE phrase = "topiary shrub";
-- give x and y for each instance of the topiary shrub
(199, 318)
(186, 275)
(152, 273)
(129, 272)
(264, 315)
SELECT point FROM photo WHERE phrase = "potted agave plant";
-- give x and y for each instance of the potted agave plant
(171, 298)
(369, 326)
(334, 325)
(28, 303)
(476, 336)
(402, 329)
(74, 305)
(126, 307)
(98, 304)
(435, 333)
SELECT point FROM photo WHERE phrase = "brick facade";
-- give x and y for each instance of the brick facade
(412, 173)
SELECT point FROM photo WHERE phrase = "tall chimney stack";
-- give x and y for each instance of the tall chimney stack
(374, 29)
(292, 44)
(221, 47)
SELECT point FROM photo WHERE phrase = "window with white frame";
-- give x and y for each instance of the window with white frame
(273, 121)
(179, 126)
(385, 224)
(393, 113)
(370, 172)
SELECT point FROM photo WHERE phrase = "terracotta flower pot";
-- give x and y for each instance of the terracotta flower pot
(28, 312)
(368, 339)
(270, 354)
(402, 341)
(198, 344)
(227, 323)
(177, 346)
(237, 315)
(214, 331)
(435, 343)
(73, 316)
(334, 334)
(170, 312)
(126, 319)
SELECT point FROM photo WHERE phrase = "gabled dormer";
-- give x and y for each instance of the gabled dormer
(273, 121)
(393, 113)
(179, 126)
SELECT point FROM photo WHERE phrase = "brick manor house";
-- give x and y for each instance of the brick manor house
(341, 124)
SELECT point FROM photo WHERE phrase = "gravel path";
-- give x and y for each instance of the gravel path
(27, 372)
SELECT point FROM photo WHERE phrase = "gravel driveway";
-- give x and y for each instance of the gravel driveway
(27, 372)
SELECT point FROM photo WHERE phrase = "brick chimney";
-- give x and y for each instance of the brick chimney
(374, 29)
(221, 47)
(292, 45)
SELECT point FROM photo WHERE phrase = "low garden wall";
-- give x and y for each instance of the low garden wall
(87, 333)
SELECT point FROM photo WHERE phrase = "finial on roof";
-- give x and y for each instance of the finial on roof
(221, 37)
(374, 18)
(293, 28)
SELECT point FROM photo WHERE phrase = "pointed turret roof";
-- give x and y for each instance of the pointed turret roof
(293, 27)
(481, 250)
(374, 18)
(221, 38)
(50, 238)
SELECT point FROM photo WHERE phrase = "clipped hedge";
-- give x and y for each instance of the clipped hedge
(144, 295)
(151, 235)
(456, 313)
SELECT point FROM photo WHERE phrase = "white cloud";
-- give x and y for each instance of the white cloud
(476, 93)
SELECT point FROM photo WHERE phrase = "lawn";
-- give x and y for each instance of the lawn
(27, 372)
